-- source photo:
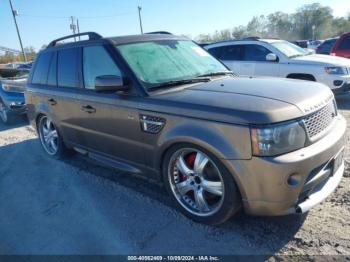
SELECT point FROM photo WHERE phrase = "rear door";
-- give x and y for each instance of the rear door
(342, 48)
(255, 64)
(66, 83)
(108, 121)
(55, 81)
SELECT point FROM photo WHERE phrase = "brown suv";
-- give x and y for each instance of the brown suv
(161, 106)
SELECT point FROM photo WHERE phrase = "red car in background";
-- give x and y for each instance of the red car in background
(342, 46)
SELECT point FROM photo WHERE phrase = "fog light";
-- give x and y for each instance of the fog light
(294, 179)
(338, 82)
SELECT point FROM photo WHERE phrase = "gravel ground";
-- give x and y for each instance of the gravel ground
(78, 207)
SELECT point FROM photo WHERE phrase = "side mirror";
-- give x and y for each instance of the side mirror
(271, 57)
(109, 83)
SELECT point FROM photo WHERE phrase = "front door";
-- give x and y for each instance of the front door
(254, 62)
(109, 122)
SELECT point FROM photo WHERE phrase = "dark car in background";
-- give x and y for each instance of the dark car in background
(12, 87)
(342, 46)
(326, 47)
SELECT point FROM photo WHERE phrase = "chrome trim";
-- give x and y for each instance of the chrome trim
(318, 196)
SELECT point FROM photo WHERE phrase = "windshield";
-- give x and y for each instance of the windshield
(289, 49)
(162, 61)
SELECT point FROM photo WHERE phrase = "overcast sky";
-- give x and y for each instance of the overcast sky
(40, 21)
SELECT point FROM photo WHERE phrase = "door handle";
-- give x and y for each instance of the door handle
(89, 109)
(52, 101)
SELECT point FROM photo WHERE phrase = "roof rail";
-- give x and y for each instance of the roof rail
(91, 35)
(251, 38)
(159, 32)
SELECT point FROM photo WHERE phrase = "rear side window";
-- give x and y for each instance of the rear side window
(215, 51)
(255, 53)
(345, 44)
(41, 69)
(67, 68)
(52, 77)
(232, 52)
(97, 62)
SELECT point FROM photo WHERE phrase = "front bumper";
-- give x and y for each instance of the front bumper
(14, 102)
(344, 89)
(264, 181)
(340, 84)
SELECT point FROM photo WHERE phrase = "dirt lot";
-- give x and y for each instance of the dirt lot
(77, 207)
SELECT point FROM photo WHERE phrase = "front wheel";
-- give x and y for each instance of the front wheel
(5, 117)
(200, 185)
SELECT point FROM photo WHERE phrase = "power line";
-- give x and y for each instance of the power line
(81, 17)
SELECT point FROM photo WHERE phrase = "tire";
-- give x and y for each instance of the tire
(205, 178)
(50, 139)
(5, 117)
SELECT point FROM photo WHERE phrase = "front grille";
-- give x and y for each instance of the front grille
(318, 121)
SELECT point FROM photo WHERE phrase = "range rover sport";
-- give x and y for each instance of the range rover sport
(161, 106)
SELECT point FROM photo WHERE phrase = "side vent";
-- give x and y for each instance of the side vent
(151, 124)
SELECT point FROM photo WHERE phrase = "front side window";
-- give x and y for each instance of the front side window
(345, 44)
(41, 68)
(67, 67)
(156, 62)
(255, 53)
(97, 62)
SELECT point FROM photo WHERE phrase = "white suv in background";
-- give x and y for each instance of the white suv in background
(279, 58)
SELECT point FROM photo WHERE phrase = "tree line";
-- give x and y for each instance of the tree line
(312, 21)
(9, 57)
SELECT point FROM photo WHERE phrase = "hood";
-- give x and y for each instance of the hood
(326, 60)
(243, 100)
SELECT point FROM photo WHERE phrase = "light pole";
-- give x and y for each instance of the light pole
(14, 14)
(140, 20)
(313, 32)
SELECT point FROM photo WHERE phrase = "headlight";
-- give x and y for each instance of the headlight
(278, 139)
(336, 70)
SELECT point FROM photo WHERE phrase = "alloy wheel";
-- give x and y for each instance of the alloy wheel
(48, 135)
(196, 182)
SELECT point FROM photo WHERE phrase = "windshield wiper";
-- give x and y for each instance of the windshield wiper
(219, 73)
(298, 55)
(179, 82)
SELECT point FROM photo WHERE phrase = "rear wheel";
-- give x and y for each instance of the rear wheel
(50, 138)
(200, 185)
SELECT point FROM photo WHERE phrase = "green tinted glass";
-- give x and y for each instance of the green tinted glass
(166, 60)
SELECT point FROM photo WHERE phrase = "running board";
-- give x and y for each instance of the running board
(114, 163)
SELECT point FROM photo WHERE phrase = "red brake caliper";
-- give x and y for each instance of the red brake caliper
(189, 159)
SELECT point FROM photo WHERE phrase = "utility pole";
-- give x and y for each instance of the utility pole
(73, 26)
(14, 14)
(78, 27)
(139, 8)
